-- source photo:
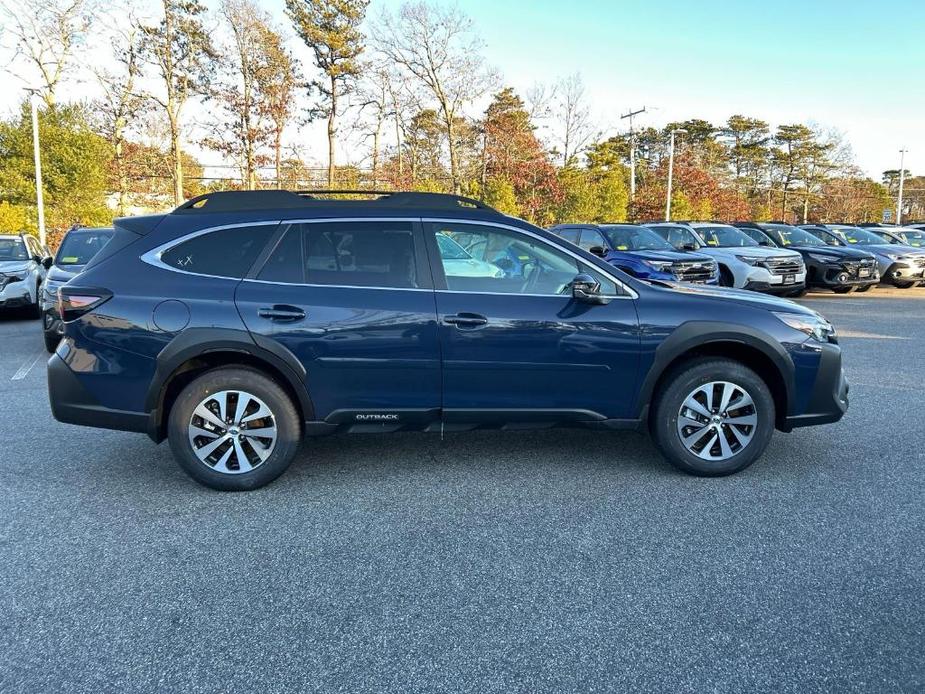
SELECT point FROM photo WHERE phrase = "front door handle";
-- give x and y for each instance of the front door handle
(466, 320)
(282, 314)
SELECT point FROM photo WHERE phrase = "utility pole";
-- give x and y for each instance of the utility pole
(678, 131)
(632, 150)
(902, 178)
(39, 202)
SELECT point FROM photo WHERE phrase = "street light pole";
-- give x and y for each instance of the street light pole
(632, 150)
(902, 178)
(678, 131)
(39, 201)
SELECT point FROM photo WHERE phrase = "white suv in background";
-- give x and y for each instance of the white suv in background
(23, 265)
(742, 262)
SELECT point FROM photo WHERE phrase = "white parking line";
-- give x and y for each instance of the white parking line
(26, 367)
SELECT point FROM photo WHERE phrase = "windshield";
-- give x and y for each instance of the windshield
(725, 237)
(855, 235)
(679, 237)
(913, 237)
(13, 249)
(450, 250)
(791, 236)
(79, 247)
(633, 238)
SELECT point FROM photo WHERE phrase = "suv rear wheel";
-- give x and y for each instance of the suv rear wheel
(234, 429)
(713, 417)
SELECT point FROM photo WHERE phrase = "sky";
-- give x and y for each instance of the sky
(857, 67)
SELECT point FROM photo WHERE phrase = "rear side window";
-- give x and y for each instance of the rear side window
(362, 254)
(222, 253)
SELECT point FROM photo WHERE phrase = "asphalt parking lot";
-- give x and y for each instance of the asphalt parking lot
(564, 560)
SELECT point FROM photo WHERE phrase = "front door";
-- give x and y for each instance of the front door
(515, 344)
(353, 301)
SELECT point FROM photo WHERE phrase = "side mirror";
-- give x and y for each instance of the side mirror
(587, 290)
(47, 262)
(597, 250)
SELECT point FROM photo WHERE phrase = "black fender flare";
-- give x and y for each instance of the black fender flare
(198, 342)
(693, 334)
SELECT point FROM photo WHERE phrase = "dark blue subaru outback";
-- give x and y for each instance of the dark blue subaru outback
(242, 321)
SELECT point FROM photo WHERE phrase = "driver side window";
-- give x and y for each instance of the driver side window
(481, 258)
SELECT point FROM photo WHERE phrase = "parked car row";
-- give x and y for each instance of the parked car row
(243, 321)
(770, 257)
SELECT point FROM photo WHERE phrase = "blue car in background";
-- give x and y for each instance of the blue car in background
(640, 252)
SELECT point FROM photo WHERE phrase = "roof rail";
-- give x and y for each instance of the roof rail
(248, 200)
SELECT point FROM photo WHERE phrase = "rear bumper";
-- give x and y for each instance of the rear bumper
(71, 403)
(828, 401)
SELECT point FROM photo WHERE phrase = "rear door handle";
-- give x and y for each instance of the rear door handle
(466, 320)
(282, 314)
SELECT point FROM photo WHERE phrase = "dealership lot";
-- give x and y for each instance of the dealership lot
(490, 561)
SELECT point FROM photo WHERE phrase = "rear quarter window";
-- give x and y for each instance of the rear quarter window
(222, 253)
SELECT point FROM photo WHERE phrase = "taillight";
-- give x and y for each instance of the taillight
(73, 302)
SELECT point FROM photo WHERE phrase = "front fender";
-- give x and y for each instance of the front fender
(696, 334)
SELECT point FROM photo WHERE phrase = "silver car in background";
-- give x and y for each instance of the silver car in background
(23, 265)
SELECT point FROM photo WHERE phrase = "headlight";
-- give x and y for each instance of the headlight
(659, 265)
(825, 259)
(749, 259)
(815, 326)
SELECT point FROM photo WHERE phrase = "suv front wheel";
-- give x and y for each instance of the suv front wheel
(234, 429)
(713, 417)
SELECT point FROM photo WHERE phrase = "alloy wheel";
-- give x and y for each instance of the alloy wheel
(717, 420)
(232, 432)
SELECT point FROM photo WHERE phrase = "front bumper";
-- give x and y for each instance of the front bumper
(833, 277)
(828, 401)
(15, 295)
(904, 272)
(71, 403)
(767, 288)
(761, 279)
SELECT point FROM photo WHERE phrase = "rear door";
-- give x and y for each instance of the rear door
(515, 345)
(353, 300)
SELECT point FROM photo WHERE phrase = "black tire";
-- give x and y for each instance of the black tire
(861, 290)
(255, 383)
(682, 381)
(903, 285)
(798, 294)
(725, 277)
(51, 340)
(842, 290)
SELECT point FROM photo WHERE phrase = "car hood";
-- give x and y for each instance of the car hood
(60, 274)
(753, 251)
(13, 266)
(669, 256)
(740, 296)
(891, 248)
(834, 251)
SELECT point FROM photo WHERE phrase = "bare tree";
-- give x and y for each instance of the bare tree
(331, 29)
(277, 78)
(438, 47)
(180, 51)
(573, 117)
(120, 105)
(45, 34)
